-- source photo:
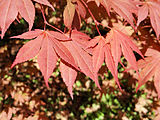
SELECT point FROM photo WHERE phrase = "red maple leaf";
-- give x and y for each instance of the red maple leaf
(72, 13)
(100, 53)
(150, 67)
(121, 43)
(9, 10)
(48, 47)
(111, 50)
(123, 8)
(82, 58)
(151, 7)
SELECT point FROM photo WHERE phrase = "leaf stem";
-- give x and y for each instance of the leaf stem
(95, 21)
(43, 17)
(46, 23)
(54, 27)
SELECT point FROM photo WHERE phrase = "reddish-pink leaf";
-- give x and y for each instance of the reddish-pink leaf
(83, 59)
(152, 7)
(10, 8)
(80, 38)
(124, 8)
(27, 11)
(120, 40)
(110, 63)
(8, 13)
(150, 67)
(48, 49)
(153, 53)
(142, 13)
(63, 52)
(147, 72)
(100, 52)
(128, 54)
(76, 24)
(142, 63)
(79, 35)
(115, 48)
(98, 55)
(47, 59)
(69, 76)
(72, 14)
(81, 9)
(28, 51)
(157, 80)
(92, 43)
(69, 13)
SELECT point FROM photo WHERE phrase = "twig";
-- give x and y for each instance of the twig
(46, 23)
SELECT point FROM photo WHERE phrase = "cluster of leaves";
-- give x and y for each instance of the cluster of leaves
(76, 50)
(23, 94)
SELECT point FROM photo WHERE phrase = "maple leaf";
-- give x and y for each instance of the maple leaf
(81, 56)
(121, 43)
(48, 47)
(68, 13)
(152, 8)
(123, 8)
(9, 10)
(72, 13)
(80, 9)
(150, 67)
(100, 53)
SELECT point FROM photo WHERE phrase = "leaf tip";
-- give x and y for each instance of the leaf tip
(2, 35)
(97, 83)
(52, 8)
(71, 94)
(137, 88)
(46, 82)
(70, 91)
(13, 65)
(13, 37)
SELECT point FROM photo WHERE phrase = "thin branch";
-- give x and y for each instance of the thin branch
(95, 21)
(46, 23)
(43, 17)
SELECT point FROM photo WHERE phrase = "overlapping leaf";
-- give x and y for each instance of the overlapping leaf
(121, 43)
(100, 53)
(48, 47)
(82, 58)
(150, 67)
(124, 8)
(9, 10)
(68, 14)
(151, 7)
(72, 13)
(111, 49)
(69, 75)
